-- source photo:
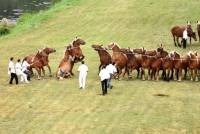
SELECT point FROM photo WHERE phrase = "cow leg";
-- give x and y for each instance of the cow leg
(190, 41)
(50, 75)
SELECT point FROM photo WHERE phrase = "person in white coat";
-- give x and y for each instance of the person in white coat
(19, 71)
(83, 70)
(185, 36)
(111, 69)
(12, 71)
(25, 70)
(104, 76)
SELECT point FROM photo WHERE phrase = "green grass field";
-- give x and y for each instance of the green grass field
(49, 106)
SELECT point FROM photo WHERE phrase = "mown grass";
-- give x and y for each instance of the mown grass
(50, 106)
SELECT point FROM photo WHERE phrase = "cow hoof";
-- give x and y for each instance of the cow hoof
(179, 80)
(196, 80)
(39, 78)
(50, 75)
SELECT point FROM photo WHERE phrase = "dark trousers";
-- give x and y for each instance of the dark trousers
(184, 43)
(13, 76)
(28, 74)
(104, 86)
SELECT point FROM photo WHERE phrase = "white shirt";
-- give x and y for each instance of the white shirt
(83, 69)
(185, 34)
(104, 74)
(25, 65)
(11, 67)
(18, 68)
(111, 69)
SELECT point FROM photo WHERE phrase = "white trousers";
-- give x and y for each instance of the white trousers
(23, 77)
(82, 80)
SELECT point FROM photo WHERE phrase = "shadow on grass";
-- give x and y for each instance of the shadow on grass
(161, 95)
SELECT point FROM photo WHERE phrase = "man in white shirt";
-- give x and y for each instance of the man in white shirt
(104, 76)
(111, 69)
(19, 71)
(185, 36)
(12, 71)
(83, 69)
(25, 70)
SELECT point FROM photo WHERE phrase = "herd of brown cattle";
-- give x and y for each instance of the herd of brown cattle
(126, 59)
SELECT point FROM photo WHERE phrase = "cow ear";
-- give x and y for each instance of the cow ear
(161, 45)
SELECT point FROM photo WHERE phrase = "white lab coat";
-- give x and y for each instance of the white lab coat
(20, 73)
(83, 69)
(104, 74)
(11, 68)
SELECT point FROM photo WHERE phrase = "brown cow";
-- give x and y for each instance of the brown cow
(65, 66)
(104, 56)
(177, 32)
(198, 29)
(119, 58)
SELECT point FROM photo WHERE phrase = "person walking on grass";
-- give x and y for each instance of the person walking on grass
(25, 67)
(185, 36)
(104, 76)
(19, 71)
(12, 71)
(111, 69)
(83, 69)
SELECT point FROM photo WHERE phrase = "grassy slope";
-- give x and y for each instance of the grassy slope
(50, 106)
